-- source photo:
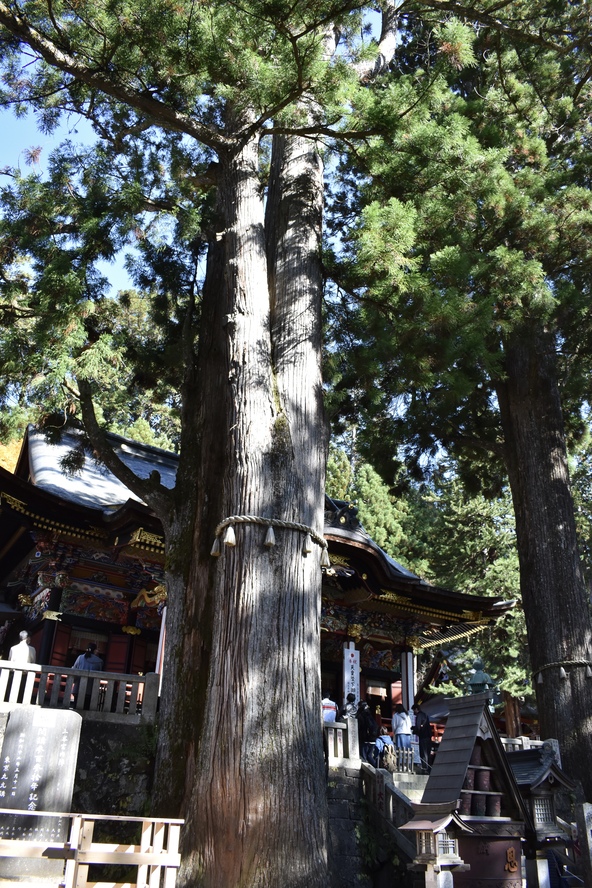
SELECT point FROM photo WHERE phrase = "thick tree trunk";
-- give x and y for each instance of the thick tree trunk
(511, 714)
(240, 750)
(555, 599)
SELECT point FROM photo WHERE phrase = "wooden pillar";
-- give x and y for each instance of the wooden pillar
(584, 822)
(408, 678)
(537, 872)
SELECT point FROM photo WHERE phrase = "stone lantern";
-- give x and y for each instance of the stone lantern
(480, 682)
(436, 827)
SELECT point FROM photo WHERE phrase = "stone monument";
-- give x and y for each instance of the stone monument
(38, 766)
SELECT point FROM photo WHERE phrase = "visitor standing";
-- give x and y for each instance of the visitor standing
(23, 652)
(89, 662)
(367, 733)
(401, 727)
(350, 709)
(423, 731)
(330, 709)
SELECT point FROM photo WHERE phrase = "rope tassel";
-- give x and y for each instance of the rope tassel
(225, 534)
(229, 536)
(563, 675)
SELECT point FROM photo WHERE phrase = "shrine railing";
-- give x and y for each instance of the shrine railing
(153, 850)
(341, 739)
(389, 803)
(105, 696)
(514, 744)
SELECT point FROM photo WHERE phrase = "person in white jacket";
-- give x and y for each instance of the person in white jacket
(401, 727)
(23, 652)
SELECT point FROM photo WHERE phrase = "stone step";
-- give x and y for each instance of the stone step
(412, 785)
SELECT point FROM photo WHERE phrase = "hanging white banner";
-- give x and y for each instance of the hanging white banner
(351, 671)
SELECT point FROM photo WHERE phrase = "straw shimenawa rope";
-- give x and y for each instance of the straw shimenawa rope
(538, 673)
(229, 538)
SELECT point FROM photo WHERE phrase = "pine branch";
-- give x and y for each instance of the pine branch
(158, 111)
(518, 34)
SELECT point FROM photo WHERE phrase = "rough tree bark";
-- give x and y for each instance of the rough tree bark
(244, 644)
(554, 594)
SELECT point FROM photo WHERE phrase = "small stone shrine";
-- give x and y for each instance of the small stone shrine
(472, 781)
(39, 755)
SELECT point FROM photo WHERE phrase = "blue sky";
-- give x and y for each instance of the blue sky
(20, 135)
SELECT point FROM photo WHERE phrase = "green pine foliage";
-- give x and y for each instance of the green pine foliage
(380, 513)
(476, 221)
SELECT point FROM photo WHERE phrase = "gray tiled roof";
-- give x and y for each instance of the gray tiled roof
(531, 767)
(455, 750)
(95, 486)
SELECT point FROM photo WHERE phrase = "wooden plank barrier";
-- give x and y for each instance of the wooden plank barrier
(107, 695)
(156, 859)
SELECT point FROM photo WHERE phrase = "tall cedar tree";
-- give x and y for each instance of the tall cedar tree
(185, 99)
(181, 96)
(471, 270)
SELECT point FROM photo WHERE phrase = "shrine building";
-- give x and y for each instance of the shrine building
(82, 559)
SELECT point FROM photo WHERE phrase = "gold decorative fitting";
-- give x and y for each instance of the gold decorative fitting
(471, 616)
(13, 502)
(150, 598)
(394, 598)
(131, 630)
(356, 631)
(143, 536)
(406, 604)
(51, 615)
(340, 559)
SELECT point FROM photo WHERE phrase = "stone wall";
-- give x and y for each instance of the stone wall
(114, 770)
(346, 826)
(362, 850)
(114, 776)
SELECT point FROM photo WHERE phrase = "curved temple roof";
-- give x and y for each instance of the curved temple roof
(102, 507)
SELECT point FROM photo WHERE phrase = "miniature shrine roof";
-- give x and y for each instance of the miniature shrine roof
(532, 767)
(468, 720)
(434, 817)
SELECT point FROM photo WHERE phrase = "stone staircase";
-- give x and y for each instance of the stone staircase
(355, 834)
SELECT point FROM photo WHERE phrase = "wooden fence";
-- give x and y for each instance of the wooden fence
(155, 859)
(109, 696)
(343, 748)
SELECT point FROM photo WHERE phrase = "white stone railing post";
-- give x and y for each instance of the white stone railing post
(342, 741)
(107, 696)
